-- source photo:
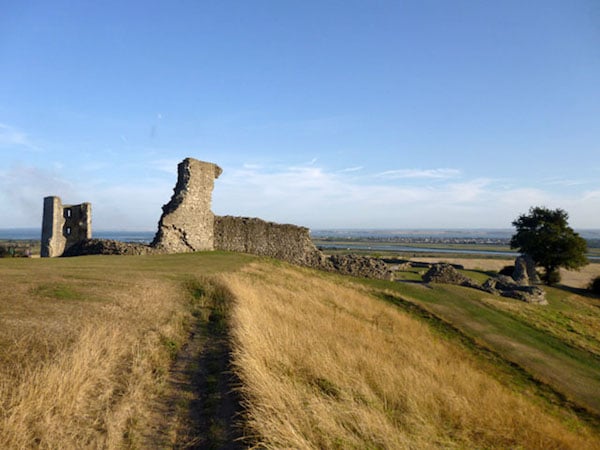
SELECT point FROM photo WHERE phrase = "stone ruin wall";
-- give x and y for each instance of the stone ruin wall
(64, 226)
(187, 222)
(289, 243)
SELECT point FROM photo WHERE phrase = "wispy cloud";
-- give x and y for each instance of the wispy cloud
(317, 197)
(22, 189)
(166, 165)
(567, 182)
(13, 137)
(308, 194)
(420, 173)
(350, 169)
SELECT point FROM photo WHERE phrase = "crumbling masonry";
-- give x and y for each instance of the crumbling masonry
(64, 226)
(187, 222)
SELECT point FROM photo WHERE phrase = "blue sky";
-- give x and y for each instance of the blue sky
(328, 114)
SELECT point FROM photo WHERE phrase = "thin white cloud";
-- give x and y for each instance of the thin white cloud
(166, 165)
(13, 137)
(128, 205)
(307, 195)
(420, 173)
(351, 169)
(567, 182)
(316, 197)
(22, 190)
(591, 195)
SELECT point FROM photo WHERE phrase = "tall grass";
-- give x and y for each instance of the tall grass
(79, 371)
(327, 366)
(86, 345)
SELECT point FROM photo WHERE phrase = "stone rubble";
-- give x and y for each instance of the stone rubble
(447, 274)
(507, 287)
(359, 266)
(525, 273)
(109, 247)
(498, 285)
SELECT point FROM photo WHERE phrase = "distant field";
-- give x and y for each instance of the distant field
(133, 352)
(358, 246)
(401, 249)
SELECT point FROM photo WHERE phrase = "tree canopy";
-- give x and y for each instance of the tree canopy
(545, 235)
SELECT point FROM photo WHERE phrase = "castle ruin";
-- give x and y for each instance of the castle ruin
(188, 224)
(64, 226)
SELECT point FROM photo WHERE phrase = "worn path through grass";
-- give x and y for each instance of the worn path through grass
(199, 407)
(86, 344)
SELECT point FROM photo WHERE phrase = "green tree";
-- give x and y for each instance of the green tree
(545, 235)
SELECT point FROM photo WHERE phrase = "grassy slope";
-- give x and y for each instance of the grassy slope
(572, 318)
(572, 371)
(326, 365)
(94, 337)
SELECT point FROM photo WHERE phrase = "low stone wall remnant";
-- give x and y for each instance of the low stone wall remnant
(289, 243)
(109, 247)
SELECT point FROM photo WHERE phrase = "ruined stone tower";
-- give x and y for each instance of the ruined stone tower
(64, 225)
(187, 222)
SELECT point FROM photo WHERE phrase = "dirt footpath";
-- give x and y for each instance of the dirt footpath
(572, 278)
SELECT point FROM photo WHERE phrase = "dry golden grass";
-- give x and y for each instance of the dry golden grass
(84, 346)
(327, 366)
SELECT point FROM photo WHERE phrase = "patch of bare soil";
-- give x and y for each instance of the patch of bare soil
(200, 407)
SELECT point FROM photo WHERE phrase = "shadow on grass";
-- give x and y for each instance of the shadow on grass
(578, 291)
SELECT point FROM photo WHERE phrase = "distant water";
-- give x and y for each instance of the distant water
(439, 233)
(401, 248)
(144, 237)
(352, 233)
(383, 234)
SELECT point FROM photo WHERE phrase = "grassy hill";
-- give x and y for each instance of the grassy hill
(132, 352)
